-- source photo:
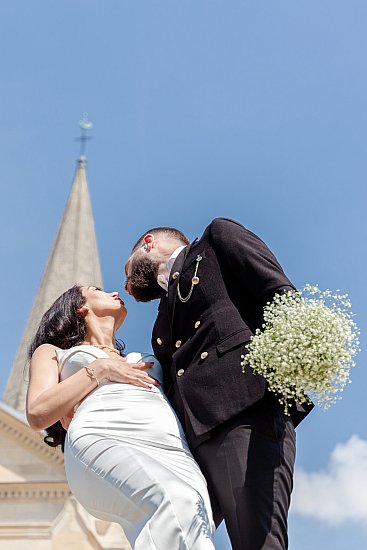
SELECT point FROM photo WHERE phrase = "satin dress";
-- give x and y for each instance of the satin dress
(127, 461)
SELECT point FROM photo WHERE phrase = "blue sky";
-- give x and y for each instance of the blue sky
(250, 110)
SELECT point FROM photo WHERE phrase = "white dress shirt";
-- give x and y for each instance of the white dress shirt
(164, 272)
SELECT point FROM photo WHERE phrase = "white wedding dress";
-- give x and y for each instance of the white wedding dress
(127, 461)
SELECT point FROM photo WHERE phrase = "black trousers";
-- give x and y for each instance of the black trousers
(248, 463)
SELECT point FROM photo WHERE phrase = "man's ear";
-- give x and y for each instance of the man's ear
(82, 311)
(148, 241)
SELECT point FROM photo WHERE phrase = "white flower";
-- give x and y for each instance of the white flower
(306, 347)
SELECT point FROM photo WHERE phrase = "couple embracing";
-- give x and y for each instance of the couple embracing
(170, 445)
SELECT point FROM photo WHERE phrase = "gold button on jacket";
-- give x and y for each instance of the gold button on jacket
(197, 324)
(175, 275)
(178, 343)
(180, 372)
(204, 355)
(159, 341)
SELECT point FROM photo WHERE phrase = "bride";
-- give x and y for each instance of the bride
(126, 456)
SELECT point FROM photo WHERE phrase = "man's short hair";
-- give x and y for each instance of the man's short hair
(168, 232)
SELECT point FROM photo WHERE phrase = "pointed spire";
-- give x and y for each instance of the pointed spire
(73, 259)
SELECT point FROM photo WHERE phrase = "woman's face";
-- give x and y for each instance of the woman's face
(104, 304)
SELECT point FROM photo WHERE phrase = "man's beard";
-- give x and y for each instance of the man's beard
(143, 280)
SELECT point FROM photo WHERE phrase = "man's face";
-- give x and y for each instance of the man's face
(141, 270)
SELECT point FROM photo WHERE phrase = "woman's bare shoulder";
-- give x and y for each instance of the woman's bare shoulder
(45, 350)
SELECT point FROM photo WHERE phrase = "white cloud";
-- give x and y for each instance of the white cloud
(338, 493)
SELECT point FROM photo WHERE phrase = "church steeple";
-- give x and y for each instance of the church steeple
(73, 259)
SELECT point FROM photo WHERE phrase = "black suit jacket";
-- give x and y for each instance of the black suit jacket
(199, 343)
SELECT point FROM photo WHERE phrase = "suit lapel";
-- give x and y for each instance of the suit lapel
(173, 282)
(169, 296)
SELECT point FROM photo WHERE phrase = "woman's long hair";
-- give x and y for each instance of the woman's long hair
(61, 326)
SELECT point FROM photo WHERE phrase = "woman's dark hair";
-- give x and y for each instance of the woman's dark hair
(61, 326)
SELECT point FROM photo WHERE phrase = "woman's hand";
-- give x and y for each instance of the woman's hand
(49, 400)
(119, 370)
(66, 420)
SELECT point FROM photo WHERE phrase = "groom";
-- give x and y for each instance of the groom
(212, 293)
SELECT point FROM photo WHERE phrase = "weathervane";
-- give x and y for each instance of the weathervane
(84, 125)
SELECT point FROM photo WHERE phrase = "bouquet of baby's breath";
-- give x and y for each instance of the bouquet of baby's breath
(306, 346)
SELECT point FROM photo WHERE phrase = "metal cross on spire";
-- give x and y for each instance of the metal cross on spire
(84, 125)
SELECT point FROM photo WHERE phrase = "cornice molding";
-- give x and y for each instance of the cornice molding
(23, 434)
(13, 531)
(43, 490)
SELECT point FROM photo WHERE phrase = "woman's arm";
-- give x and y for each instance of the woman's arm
(48, 400)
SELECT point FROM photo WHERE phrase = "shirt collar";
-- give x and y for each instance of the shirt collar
(164, 273)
